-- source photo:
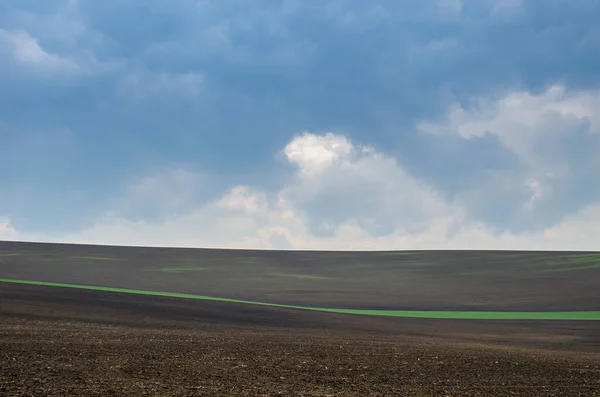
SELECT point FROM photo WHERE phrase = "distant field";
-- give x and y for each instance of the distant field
(432, 314)
(390, 281)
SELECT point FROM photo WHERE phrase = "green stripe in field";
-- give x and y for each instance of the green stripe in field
(95, 258)
(7, 254)
(461, 315)
(575, 267)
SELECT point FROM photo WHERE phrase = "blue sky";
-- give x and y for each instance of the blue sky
(383, 124)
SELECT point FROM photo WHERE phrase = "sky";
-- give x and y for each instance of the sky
(301, 124)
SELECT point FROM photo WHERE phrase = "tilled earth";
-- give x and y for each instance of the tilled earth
(56, 342)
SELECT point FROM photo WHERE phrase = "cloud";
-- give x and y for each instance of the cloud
(522, 119)
(245, 200)
(26, 51)
(340, 182)
(580, 231)
(7, 232)
(314, 154)
(555, 135)
(342, 206)
(340, 195)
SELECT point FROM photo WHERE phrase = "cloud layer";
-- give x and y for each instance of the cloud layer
(293, 124)
(341, 196)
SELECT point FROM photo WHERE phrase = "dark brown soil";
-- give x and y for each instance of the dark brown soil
(60, 342)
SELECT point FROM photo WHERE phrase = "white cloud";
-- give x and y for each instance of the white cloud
(337, 200)
(290, 217)
(521, 119)
(555, 135)
(7, 232)
(340, 182)
(314, 153)
(25, 50)
(244, 199)
(343, 195)
(580, 231)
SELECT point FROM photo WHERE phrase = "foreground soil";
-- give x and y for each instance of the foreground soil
(56, 342)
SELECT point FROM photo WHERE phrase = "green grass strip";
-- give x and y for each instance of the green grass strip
(95, 258)
(431, 314)
(574, 267)
(7, 254)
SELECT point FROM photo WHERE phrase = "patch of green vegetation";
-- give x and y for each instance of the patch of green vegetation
(42, 256)
(548, 258)
(584, 258)
(549, 263)
(572, 268)
(573, 262)
(300, 276)
(183, 269)
(456, 315)
(7, 254)
(95, 258)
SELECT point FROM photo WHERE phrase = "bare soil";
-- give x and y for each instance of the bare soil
(61, 342)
